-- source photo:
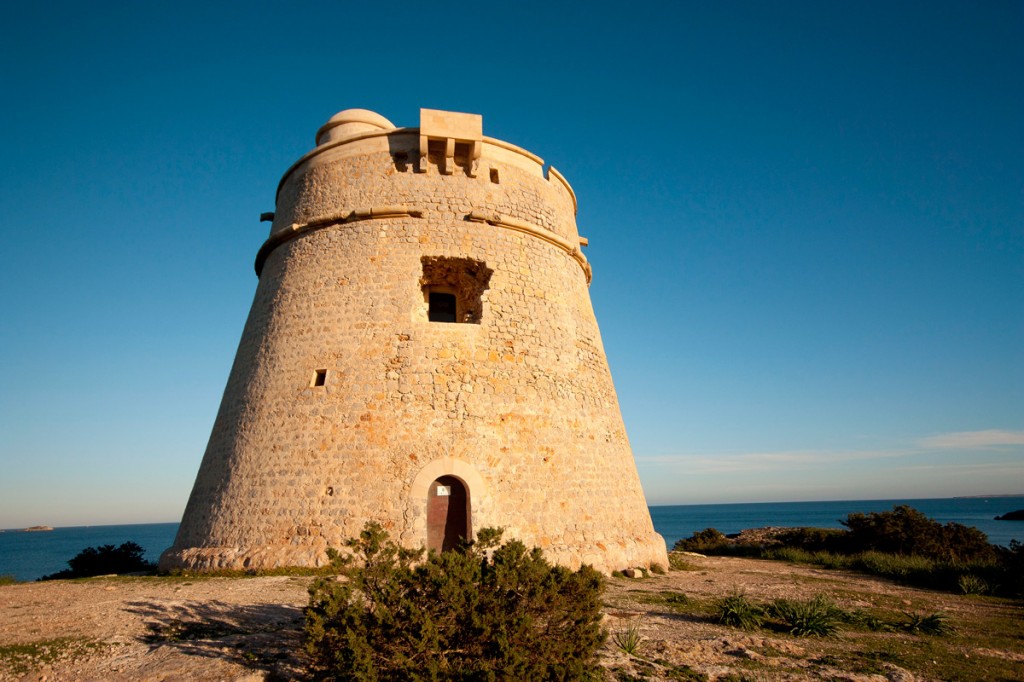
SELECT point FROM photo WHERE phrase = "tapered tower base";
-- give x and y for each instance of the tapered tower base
(421, 352)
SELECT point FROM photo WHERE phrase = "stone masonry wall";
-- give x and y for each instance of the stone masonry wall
(521, 407)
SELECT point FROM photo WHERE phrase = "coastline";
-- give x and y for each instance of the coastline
(28, 556)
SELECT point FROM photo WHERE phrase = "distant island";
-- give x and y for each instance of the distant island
(1012, 516)
(36, 529)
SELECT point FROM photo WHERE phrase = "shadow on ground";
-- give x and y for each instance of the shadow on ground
(265, 637)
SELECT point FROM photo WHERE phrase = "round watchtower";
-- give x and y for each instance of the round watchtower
(422, 352)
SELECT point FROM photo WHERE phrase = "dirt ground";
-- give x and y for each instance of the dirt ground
(250, 629)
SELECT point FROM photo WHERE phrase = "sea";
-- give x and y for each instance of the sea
(29, 556)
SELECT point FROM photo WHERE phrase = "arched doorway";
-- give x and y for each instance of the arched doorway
(449, 517)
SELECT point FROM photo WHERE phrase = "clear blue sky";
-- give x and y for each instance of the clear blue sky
(806, 225)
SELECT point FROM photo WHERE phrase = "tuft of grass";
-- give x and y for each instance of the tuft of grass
(971, 584)
(817, 617)
(677, 562)
(8, 580)
(897, 566)
(739, 612)
(791, 554)
(927, 624)
(658, 569)
(628, 637)
(798, 555)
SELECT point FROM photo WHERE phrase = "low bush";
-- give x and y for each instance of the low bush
(903, 545)
(706, 540)
(906, 531)
(483, 611)
(8, 580)
(105, 560)
(1012, 560)
(813, 539)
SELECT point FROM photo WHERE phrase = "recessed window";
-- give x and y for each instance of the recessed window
(319, 377)
(494, 175)
(453, 288)
(441, 306)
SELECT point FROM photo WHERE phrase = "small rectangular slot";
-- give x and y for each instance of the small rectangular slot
(494, 175)
(320, 377)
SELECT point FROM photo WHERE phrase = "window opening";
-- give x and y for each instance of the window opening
(320, 377)
(453, 288)
(494, 175)
(442, 307)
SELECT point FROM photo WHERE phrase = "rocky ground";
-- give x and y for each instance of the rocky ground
(250, 629)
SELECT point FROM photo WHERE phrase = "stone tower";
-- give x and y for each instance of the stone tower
(422, 352)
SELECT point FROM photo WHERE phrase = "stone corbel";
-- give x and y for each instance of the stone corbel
(421, 167)
(475, 148)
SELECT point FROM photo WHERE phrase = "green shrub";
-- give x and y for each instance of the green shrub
(906, 531)
(104, 560)
(1012, 562)
(8, 580)
(902, 545)
(739, 612)
(812, 539)
(658, 569)
(705, 540)
(483, 611)
(816, 617)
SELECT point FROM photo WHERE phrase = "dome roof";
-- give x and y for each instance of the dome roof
(351, 122)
